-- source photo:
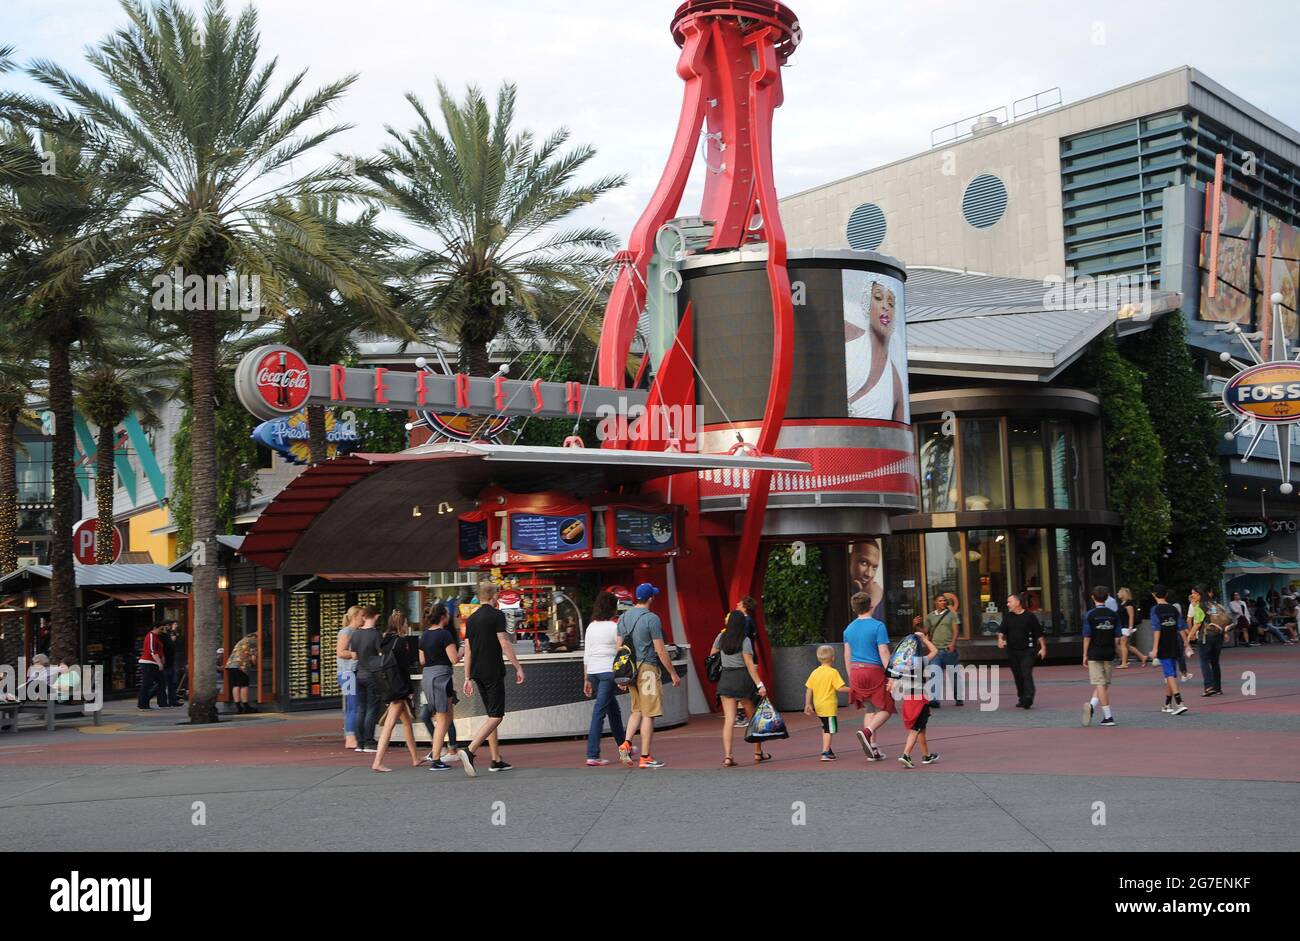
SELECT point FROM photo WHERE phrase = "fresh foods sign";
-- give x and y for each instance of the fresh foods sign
(1268, 393)
(289, 436)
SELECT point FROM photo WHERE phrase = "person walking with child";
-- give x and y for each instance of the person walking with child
(739, 684)
(821, 697)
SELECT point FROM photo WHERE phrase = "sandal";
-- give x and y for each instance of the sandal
(728, 762)
(761, 757)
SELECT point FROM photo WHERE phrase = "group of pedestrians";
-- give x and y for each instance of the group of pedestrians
(158, 664)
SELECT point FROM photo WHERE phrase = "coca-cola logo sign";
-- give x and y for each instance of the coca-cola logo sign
(282, 380)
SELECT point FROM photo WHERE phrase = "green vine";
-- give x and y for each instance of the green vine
(236, 463)
(381, 431)
(794, 597)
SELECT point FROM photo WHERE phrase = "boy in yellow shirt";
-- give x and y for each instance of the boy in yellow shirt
(821, 697)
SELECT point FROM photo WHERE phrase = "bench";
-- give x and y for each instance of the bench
(52, 709)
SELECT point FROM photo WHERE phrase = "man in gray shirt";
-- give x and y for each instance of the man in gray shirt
(644, 633)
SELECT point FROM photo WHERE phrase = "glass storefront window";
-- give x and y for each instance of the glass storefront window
(902, 582)
(35, 479)
(1063, 459)
(981, 465)
(1033, 573)
(942, 576)
(938, 469)
(986, 578)
(1069, 577)
(1028, 487)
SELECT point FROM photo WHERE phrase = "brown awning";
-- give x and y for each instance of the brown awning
(146, 594)
(371, 576)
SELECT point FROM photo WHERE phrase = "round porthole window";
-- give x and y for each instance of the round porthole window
(984, 201)
(866, 228)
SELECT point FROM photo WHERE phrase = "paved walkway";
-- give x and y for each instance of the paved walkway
(1222, 776)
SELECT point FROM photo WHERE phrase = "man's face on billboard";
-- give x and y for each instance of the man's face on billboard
(866, 561)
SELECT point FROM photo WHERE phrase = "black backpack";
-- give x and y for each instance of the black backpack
(392, 677)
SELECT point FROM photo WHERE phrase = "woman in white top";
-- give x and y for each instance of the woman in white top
(601, 645)
(347, 676)
(880, 394)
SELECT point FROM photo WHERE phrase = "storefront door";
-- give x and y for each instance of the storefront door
(255, 615)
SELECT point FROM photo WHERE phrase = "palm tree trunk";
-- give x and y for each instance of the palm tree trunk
(104, 469)
(203, 497)
(316, 443)
(474, 357)
(63, 602)
(8, 493)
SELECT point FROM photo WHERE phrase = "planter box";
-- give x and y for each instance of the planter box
(790, 669)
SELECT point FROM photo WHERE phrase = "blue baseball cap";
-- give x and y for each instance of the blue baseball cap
(645, 591)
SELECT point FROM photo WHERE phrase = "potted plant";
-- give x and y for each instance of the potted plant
(795, 590)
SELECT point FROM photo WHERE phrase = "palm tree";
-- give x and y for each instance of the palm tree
(18, 374)
(120, 376)
(490, 198)
(218, 143)
(59, 203)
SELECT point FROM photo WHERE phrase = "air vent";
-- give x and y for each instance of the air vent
(866, 228)
(985, 201)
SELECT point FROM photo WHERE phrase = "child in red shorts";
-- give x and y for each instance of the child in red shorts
(907, 681)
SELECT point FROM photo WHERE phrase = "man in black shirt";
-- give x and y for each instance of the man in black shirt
(167, 687)
(1168, 641)
(1019, 633)
(486, 639)
(1101, 628)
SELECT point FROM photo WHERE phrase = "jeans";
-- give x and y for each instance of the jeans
(948, 658)
(167, 687)
(349, 681)
(1022, 668)
(370, 702)
(1273, 629)
(1211, 647)
(606, 705)
(150, 676)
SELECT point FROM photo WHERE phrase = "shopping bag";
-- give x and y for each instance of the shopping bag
(766, 725)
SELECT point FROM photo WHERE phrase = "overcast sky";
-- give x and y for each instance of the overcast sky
(868, 84)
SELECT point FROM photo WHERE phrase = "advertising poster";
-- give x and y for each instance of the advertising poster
(866, 572)
(1285, 271)
(1231, 303)
(472, 540)
(875, 346)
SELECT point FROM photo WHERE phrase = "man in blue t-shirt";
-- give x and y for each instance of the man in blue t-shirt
(1168, 640)
(1101, 628)
(866, 651)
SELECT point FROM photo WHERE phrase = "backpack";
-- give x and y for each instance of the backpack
(902, 662)
(392, 678)
(625, 665)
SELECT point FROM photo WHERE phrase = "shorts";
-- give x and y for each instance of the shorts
(1099, 672)
(830, 724)
(867, 686)
(236, 679)
(736, 683)
(648, 691)
(1169, 667)
(439, 690)
(493, 694)
(916, 713)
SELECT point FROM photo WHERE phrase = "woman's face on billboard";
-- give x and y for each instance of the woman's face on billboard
(882, 312)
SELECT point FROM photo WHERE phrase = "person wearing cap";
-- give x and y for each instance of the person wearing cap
(644, 633)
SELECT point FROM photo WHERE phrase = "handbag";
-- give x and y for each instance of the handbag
(766, 724)
(713, 666)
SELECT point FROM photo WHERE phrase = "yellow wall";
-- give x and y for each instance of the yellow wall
(162, 547)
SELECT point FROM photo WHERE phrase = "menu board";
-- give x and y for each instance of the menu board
(333, 608)
(540, 534)
(644, 530)
(299, 673)
(473, 539)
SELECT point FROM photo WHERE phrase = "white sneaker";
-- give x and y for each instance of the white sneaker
(1186, 677)
(450, 757)
(1166, 709)
(1179, 709)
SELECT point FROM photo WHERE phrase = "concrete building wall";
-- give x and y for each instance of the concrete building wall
(921, 196)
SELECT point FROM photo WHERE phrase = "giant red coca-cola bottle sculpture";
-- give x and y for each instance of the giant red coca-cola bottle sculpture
(732, 53)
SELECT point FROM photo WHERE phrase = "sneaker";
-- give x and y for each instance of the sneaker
(500, 766)
(1167, 708)
(358, 749)
(906, 761)
(625, 754)
(467, 762)
(597, 762)
(959, 703)
(865, 740)
(370, 749)
(429, 757)
(451, 756)
(828, 756)
(936, 704)
(741, 723)
(1208, 692)
(1086, 718)
(1108, 721)
(1027, 705)
(1179, 709)
(436, 765)
(930, 759)
(1186, 677)
(649, 762)
(1020, 705)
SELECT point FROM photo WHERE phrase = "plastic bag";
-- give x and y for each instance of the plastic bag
(766, 725)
